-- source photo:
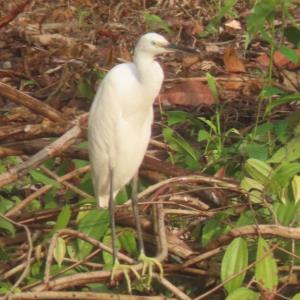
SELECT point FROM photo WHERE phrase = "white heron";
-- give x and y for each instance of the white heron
(120, 121)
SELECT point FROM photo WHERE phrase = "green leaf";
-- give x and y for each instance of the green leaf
(211, 81)
(212, 229)
(209, 123)
(266, 267)
(281, 101)
(176, 140)
(39, 177)
(296, 297)
(255, 150)
(270, 91)
(59, 250)
(286, 211)
(258, 170)
(254, 188)
(243, 294)
(85, 90)
(5, 205)
(292, 34)
(63, 219)
(128, 242)
(94, 224)
(234, 260)
(6, 225)
(177, 117)
(296, 188)
(215, 22)
(156, 22)
(203, 135)
(256, 20)
(287, 153)
(282, 176)
(289, 53)
(107, 257)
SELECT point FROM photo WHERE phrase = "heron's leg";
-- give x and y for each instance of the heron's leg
(112, 217)
(125, 269)
(148, 262)
(135, 209)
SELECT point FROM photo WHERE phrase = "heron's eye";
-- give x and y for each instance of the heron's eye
(153, 43)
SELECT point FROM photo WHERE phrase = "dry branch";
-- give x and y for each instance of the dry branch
(256, 230)
(96, 276)
(31, 103)
(81, 296)
(51, 150)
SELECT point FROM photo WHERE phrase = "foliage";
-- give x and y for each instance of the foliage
(262, 155)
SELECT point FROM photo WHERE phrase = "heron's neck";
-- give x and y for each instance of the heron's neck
(143, 63)
(150, 74)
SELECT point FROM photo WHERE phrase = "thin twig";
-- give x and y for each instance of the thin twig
(29, 253)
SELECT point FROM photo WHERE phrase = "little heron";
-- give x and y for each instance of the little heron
(120, 126)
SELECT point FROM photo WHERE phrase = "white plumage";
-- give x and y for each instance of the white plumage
(121, 116)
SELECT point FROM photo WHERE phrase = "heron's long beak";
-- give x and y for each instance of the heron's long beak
(174, 47)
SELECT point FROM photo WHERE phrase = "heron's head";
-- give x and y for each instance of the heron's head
(154, 44)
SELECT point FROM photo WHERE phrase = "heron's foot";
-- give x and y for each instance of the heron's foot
(125, 269)
(149, 263)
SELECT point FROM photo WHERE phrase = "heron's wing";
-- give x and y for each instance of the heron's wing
(105, 121)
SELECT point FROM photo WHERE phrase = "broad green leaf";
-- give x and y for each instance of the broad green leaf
(211, 81)
(128, 242)
(212, 229)
(246, 218)
(258, 170)
(254, 188)
(177, 117)
(286, 211)
(39, 177)
(5, 205)
(203, 135)
(281, 101)
(243, 294)
(107, 257)
(6, 225)
(59, 250)
(63, 219)
(215, 22)
(85, 90)
(266, 267)
(156, 22)
(94, 224)
(209, 123)
(262, 11)
(282, 176)
(234, 260)
(292, 34)
(269, 91)
(176, 140)
(287, 153)
(296, 297)
(296, 188)
(289, 53)
(255, 150)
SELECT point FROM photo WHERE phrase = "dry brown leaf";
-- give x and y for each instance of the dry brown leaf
(189, 93)
(233, 24)
(232, 62)
(198, 28)
(190, 60)
(280, 60)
